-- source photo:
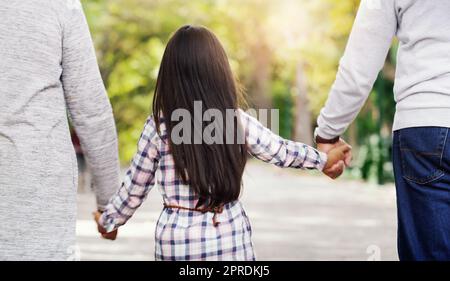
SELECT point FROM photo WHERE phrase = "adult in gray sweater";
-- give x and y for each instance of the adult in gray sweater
(421, 145)
(48, 68)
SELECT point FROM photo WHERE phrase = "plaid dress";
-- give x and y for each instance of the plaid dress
(191, 235)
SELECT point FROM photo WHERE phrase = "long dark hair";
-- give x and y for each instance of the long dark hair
(194, 68)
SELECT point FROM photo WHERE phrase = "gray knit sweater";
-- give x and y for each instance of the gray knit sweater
(48, 68)
(422, 82)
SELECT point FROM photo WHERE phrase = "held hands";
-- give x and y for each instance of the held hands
(109, 236)
(339, 157)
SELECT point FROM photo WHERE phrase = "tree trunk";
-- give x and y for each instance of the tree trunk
(259, 84)
(302, 129)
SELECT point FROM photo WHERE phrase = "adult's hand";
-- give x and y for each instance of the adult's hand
(107, 235)
(336, 170)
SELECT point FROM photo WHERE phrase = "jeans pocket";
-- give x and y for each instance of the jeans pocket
(422, 152)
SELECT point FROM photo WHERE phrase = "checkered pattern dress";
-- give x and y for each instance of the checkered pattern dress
(190, 235)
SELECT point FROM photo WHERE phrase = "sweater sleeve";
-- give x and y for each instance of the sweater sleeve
(365, 54)
(88, 104)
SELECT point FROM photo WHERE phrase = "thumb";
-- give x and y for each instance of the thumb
(97, 216)
(344, 148)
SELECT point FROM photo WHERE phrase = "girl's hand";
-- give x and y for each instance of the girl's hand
(337, 155)
(337, 169)
(109, 236)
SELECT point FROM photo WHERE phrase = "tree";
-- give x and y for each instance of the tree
(284, 53)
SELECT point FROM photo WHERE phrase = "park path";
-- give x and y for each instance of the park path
(295, 216)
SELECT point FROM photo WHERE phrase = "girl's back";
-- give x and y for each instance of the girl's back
(200, 181)
(182, 232)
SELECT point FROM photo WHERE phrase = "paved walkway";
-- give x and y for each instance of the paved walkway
(295, 216)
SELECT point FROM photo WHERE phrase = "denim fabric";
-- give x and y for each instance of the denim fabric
(422, 165)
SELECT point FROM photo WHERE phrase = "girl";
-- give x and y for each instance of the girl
(200, 183)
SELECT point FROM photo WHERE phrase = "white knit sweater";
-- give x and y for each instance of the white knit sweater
(48, 68)
(422, 82)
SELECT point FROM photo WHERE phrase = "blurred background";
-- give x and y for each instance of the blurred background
(285, 54)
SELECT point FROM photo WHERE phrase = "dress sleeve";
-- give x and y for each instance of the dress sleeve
(88, 105)
(139, 180)
(271, 148)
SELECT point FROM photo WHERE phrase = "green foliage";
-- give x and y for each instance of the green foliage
(372, 163)
(267, 41)
(130, 37)
(282, 98)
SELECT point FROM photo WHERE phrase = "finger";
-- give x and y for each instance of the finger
(337, 175)
(325, 147)
(336, 170)
(342, 141)
(96, 216)
(348, 158)
(107, 237)
(338, 167)
(334, 175)
(110, 235)
(344, 148)
(101, 230)
(341, 167)
(339, 170)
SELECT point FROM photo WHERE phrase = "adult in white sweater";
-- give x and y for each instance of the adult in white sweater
(48, 68)
(422, 119)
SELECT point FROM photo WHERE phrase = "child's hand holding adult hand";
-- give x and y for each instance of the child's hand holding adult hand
(337, 155)
(109, 236)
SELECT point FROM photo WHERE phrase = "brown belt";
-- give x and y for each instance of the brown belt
(215, 210)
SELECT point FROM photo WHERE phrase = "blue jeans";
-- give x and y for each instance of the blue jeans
(422, 166)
